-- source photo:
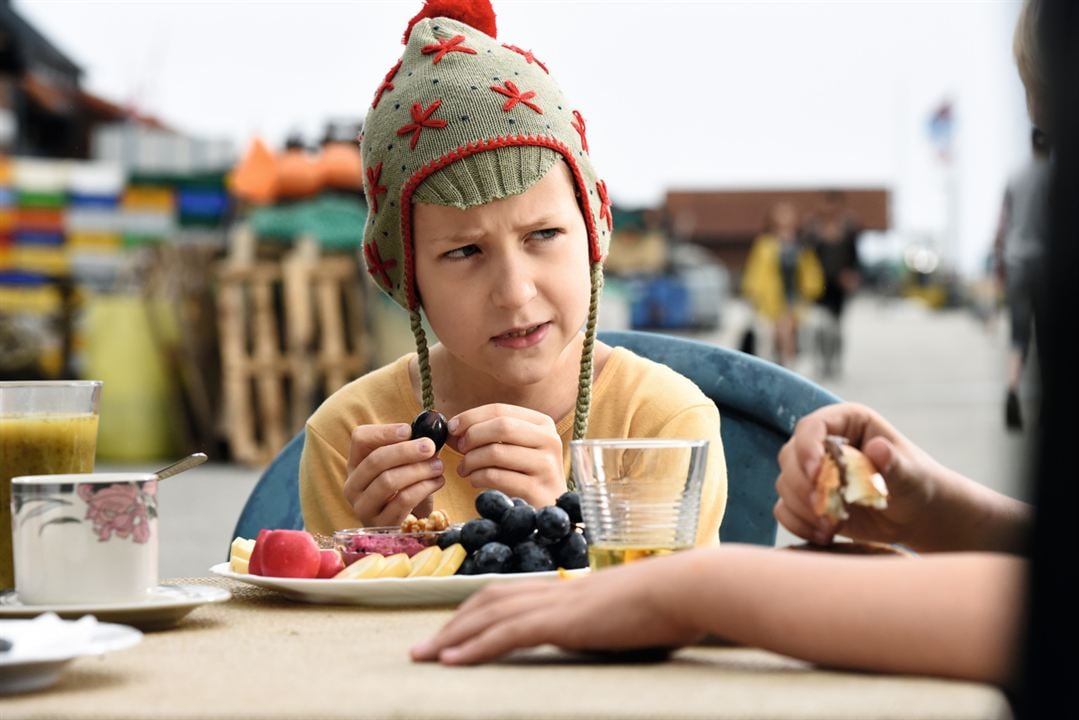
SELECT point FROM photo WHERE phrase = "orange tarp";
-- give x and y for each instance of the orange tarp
(255, 177)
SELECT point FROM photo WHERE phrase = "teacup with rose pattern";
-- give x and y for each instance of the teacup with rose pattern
(85, 538)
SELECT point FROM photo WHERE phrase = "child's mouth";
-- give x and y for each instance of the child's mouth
(523, 338)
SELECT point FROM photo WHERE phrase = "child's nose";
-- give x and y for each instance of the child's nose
(513, 285)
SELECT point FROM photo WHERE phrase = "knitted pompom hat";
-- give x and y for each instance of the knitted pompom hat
(462, 120)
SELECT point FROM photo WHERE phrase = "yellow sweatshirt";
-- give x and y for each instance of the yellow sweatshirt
(762, 283)
(631, 398)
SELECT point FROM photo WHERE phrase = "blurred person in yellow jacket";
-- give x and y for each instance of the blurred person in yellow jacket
(781, 276)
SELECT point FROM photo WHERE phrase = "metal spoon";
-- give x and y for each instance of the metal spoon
(192, 460)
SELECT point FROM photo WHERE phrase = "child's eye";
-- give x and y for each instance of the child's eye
(546, 234)
(462, 252)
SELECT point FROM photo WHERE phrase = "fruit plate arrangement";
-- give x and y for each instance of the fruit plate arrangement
(385, 592)
(425, 561)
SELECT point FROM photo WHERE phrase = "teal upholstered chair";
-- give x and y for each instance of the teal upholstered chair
(759, 403)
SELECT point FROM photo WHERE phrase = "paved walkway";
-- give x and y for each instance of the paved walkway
(936, 375)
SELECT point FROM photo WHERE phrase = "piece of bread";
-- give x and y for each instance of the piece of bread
(847, 477)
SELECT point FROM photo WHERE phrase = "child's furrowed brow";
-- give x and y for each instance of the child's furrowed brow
(463, 237)
(542, 221)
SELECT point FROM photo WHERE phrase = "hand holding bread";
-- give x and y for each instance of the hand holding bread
(846, 476)
(847, 470)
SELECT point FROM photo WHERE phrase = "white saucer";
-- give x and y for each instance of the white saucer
(163, 607)
(24, 672)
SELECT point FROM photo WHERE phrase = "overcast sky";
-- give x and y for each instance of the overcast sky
(677, 94)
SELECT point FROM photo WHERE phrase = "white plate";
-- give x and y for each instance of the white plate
(384, 591)
(26, 672)
(163, 607)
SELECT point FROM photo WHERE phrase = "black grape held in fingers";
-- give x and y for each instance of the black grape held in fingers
(431, 424)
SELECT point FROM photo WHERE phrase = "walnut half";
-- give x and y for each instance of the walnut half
(435, 522)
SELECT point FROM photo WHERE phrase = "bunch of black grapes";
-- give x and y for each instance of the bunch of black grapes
(511, 536)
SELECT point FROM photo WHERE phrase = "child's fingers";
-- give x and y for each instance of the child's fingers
(849, 420)
(496, 592)
(372, 500)
(798, 526)
(385, 458)
(373, 508)
(508, 430)
(796, 496)
(509, 456)
(527, 629)
(791, 467)
(366, 438)
(459, 424)
(424, 507)
(512, 483)
(468, 623)
(894, 465)
(807, 444)
(399, 507)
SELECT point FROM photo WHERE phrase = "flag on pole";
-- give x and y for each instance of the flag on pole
(942, 131)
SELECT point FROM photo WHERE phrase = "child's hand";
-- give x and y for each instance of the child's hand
(617, 609)
(913, 478)
(390, 476)
(512, 449)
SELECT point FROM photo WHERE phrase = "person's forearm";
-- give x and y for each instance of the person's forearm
(967, 516)
(948, 615)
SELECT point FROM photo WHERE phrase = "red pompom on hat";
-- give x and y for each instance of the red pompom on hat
(474, 13)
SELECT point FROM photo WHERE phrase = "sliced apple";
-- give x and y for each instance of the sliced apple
(330, 563)
(255, 562)
(369, 566)
(397, 566)
(290, 554)
(239, 565)
(451, 560)
(425, 561)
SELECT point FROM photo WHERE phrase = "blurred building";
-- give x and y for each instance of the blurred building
(45, 112)
(726, 222)
(40, 105)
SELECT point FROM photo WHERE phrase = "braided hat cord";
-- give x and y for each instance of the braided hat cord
(424, 356)
(584, 382)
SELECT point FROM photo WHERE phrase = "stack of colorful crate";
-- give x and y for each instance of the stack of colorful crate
(34, 258)
(94, 220)
(7, 213)
(202, 201)
(40, 198)
(148, 212)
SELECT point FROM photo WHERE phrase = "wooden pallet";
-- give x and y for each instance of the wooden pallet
(177, 289)
(292, 333)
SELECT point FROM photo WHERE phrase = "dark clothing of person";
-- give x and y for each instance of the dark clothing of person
(788, 271)
(1022, 281)
(836, 257)
(1048, 669)
(1021, 242)
(1025, 214)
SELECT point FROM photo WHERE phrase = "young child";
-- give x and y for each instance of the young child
(486, 213)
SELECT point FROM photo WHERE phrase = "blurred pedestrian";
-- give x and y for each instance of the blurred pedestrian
(1019, 249)
(781, 277)
(833, 235)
